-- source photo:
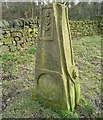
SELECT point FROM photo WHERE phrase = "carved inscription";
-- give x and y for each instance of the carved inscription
(46, 24)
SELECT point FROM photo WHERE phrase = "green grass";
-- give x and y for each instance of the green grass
(7, 57)
(32, 50)
(18, 82)
(88, 108)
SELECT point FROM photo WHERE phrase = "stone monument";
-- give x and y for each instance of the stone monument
(57, 82)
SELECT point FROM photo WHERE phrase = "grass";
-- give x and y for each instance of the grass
(18, 83)
(87, 52)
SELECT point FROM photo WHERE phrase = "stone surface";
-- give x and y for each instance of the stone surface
(56, 80)
(17, 36)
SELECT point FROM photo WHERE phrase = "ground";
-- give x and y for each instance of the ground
(18, 82)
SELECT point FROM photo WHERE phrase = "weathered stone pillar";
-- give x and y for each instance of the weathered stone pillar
(57, 82)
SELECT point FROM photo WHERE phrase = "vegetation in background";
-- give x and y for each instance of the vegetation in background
(85, 10)
(80, 11)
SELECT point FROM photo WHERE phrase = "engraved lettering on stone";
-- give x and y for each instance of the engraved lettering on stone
(47, 24)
